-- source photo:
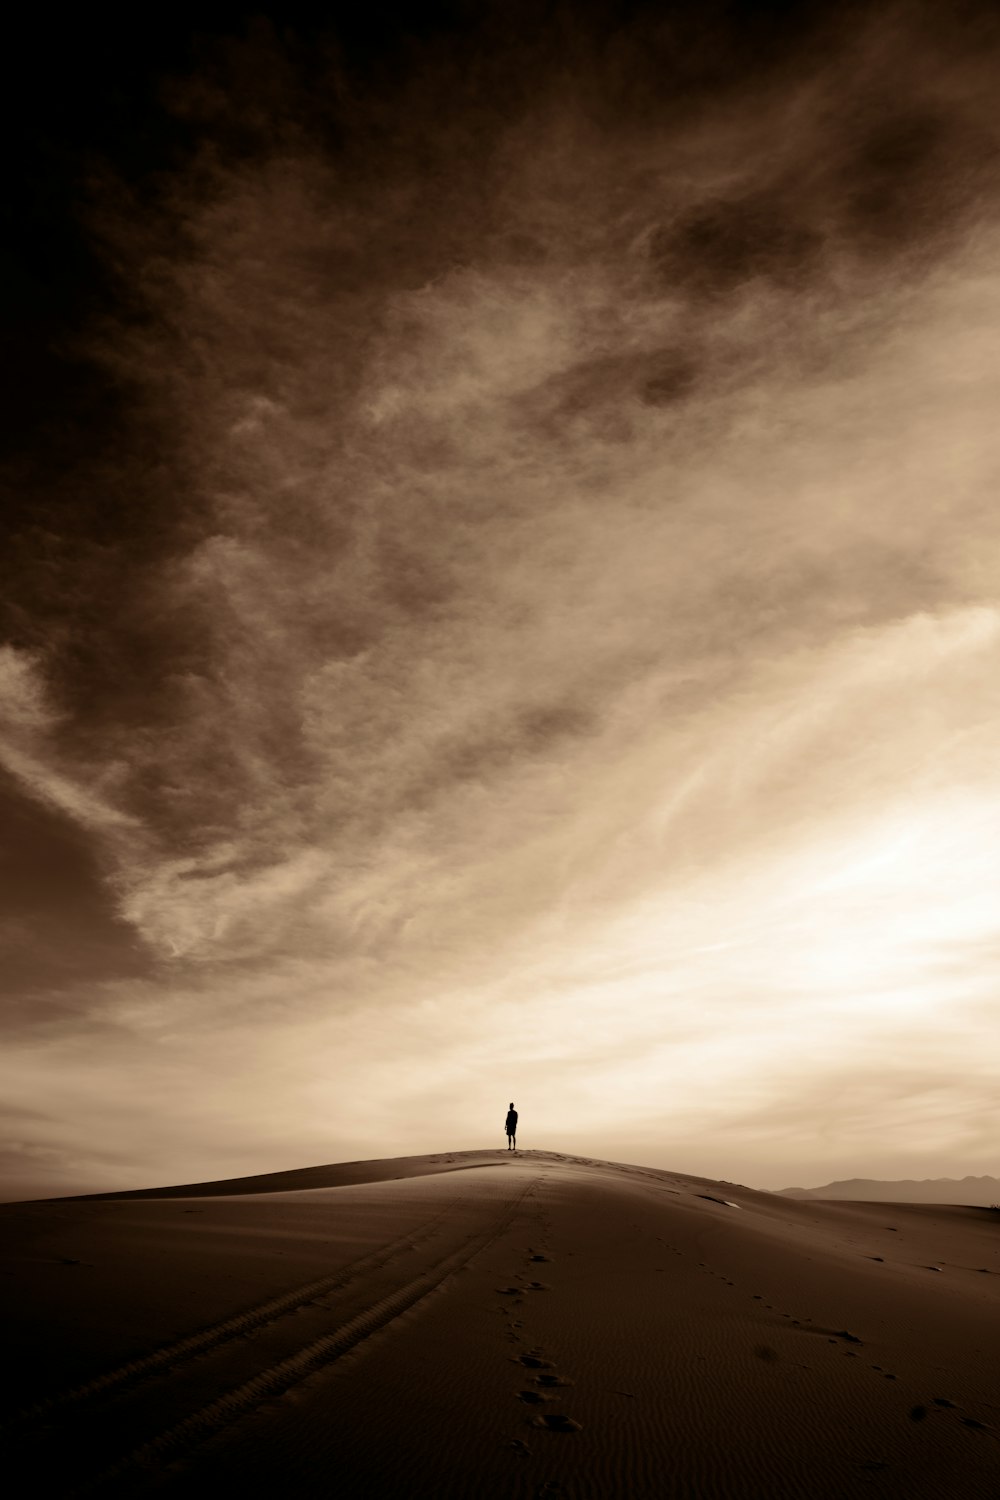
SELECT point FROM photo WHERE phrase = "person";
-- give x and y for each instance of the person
(511, 1127)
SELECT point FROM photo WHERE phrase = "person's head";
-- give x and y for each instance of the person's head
(512, 1104)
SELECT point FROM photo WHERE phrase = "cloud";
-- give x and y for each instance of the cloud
(22, 691)
(541, 567)
(28, 722)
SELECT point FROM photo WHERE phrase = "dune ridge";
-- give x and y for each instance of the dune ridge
(299, 1179)
(554, 1326)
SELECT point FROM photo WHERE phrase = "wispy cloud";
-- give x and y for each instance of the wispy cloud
(556, 639)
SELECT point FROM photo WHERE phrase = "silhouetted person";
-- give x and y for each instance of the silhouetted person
(511, 1127)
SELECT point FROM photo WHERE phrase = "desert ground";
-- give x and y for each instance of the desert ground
(484, 1323)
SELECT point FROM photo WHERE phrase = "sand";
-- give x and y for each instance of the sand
(489, 1324)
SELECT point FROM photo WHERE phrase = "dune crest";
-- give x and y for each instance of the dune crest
(304, 1179)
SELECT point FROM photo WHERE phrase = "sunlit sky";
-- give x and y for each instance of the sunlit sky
(502, 599)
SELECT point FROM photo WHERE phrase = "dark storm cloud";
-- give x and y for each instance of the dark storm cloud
(893, 185)
(720, 247)
(597, 389)
(260, 291)
(59, 921)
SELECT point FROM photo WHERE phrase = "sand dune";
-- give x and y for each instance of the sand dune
(333, 1174)
(551, 1327)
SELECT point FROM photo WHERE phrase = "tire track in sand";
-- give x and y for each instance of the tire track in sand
(169, 1356)
(234, 1404)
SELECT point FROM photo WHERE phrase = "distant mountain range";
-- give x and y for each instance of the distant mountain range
(979, 1190)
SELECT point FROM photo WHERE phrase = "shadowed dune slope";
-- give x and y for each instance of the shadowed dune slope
(556, 1326)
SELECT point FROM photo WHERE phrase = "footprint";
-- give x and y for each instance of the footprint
(918, 1413)
(534, 1362)
(537, 1286)
(558, 1422)
(546, 1258)
(943, 1401)
(552, 1380)
(531, 1398)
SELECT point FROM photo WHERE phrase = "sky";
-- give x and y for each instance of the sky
(500, 591)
